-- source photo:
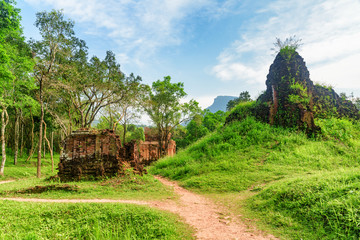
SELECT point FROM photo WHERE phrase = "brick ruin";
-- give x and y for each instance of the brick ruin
(292, 100)
(149, 150)
(91, 154)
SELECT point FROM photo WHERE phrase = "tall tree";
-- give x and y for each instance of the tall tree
(99, 84)
(164, 106)
(57, 41)
(15, 64)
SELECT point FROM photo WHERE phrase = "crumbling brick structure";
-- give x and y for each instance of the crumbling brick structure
(95, 153)
(91, 154)
(149, 150)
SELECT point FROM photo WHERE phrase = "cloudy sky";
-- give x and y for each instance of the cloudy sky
(215, 47)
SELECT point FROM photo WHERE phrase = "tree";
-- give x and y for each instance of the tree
(96, 85)
(196, 129)
(57, 41)
(213, 120)
(164, 107)
(243, 97)
(15, 65)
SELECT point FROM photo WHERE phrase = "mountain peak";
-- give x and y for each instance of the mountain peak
(220, 103)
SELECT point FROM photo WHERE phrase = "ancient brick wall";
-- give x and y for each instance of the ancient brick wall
(149, 151)
(93, 154)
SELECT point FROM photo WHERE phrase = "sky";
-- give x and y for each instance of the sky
(215, 47)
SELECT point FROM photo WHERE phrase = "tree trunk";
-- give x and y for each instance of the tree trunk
(4, 122)
(16, 137)
(38, 170)
(52, 141)
(32, 137)
(60, 143)
(49, 146)
(22, 134)
(44, 146)
(70, 121)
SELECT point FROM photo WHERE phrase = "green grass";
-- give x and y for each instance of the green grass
(87, 221)
(84, 221)
(272, 163)
(325, 205)
(25, 169)
(250, 153)
(129, 186)
(125, 187)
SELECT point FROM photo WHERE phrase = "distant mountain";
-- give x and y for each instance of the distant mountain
(220, 103)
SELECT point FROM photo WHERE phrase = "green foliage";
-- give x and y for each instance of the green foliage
(324, 205)
(243, 97)
(241, 111)
(87, 221)
(288, 47)
(198, 127)
(307, 188)
(300, 95)
(212, 121)
(339, 129)
(15, 60)
(164, 107)
(137, 133)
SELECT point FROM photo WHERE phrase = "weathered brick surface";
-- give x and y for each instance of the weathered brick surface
(149, 151)
(98, 153)
(93, 154)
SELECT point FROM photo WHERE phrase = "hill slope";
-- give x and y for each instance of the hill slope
(249, 154)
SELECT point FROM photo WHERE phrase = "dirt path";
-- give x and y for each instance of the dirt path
(205, 216)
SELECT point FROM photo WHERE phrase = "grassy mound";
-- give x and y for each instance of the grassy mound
(323, 206)
(249, 153)
(87, 221)
(302, 188)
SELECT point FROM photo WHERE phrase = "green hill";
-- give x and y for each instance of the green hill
(305, 187)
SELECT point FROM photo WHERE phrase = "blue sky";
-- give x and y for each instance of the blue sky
(215, 47)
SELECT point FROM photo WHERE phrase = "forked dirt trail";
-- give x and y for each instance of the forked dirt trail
(197, 211)
(204, 216)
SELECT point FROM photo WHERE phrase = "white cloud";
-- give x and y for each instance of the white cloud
(139, 28)
(330, 31)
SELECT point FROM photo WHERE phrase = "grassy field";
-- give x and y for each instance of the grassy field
(84, 220)
(87, 221)
(27, 185)
(25, 169)
(298, 187)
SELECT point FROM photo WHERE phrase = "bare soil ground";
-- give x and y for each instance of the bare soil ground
(207, 218)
